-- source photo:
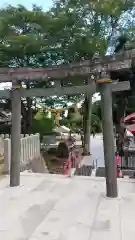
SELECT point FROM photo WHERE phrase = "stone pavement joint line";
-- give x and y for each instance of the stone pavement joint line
(55, 207)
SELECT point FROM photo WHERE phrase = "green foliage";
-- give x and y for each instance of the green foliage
(74, 115)
(71, 31)
(76, 124)
(41, 115)
(23, 35)
(42, 124)
(64, 122)
(96, 124)
(96, 109)
(89, 25)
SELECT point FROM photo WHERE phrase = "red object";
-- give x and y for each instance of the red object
(117, 160)
(119, 172)
(129, 117)
(66, 167)
(118, 168)
(131, 128)
(74, 158)
(122, 119)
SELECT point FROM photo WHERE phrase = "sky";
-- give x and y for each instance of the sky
(46, 4)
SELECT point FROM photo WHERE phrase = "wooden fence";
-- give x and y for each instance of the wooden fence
(29, 149)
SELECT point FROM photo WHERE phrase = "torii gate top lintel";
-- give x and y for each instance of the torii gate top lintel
(92, 68)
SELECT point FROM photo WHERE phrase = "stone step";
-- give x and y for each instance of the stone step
(100, 172)
(85, 170)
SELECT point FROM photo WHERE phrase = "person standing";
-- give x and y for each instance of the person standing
(93, 133)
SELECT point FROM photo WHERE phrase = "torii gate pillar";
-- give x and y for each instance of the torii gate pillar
(15, 136)
(108, 140)
(87, 123)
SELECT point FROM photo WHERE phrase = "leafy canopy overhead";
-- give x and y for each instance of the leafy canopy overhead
(71, 30)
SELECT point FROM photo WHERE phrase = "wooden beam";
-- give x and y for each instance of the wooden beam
(84, 68)
(116, 87)
(120, 86)
(59, 91)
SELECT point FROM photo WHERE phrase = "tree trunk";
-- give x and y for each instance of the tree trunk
(23, 114)
(87, 124)
(29, 114)
(29, 111)
(24, 118)
(26, 112)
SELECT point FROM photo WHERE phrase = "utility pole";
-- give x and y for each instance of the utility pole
(108, 140)
(15, 136)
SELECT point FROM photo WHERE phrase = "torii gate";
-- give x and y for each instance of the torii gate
(94, 72)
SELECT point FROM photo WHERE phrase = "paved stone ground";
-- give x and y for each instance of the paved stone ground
(47, 207)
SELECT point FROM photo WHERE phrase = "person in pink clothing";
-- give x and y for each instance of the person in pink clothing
(117, 159)
(118, 163)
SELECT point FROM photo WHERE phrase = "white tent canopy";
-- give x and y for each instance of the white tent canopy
(62, 129)
(129, 134)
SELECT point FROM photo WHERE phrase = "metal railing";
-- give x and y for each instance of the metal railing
(128, 160)
(128, 163)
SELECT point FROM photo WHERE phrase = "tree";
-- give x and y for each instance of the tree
(126, 106)
(27, 40)
(71, 31)
(96, 109)
(42, 124)
(74, 119)
(88, 32)
(74, 114)
(24, 42)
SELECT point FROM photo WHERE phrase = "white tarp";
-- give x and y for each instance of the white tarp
(129, 134)
(62, 129)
